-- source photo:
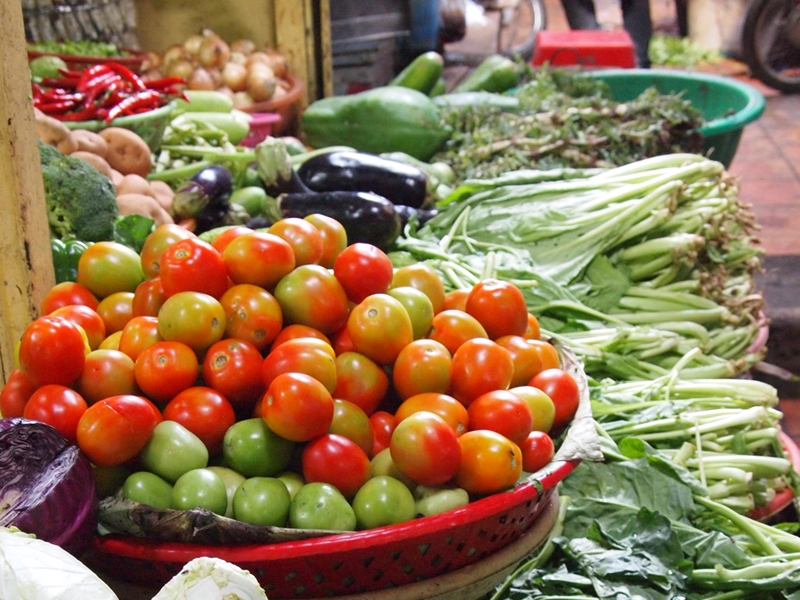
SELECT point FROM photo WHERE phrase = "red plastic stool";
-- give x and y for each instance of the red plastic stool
(585, 48)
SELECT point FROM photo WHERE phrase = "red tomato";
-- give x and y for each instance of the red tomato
(66, 293)
(380, 328)
(425, 448)
(148, 298)
(295, 330)
(501, 411)
(138, 334)
(259, 258)
(107, 373)
(499, 306)
(221, 241)
(424, 278)
(382, 424)
(233, 368)
(342, 342)
(52, 350)
(563, 391)
(537, 451)
(334, 237)
(109, 267)
(360, 380)
(297, 407)
(164, 369)
(193, 265)
(253, 315)
(311, 295)
(490, 462)
(526, 356)
(451, 328)
(533, 331)
(59, 406)
(422, 366)
(447, 407)
(334, 459)
(90, 321)
(548, 355)
(480, 366)
(159, 240)
(301, 355)
(363, 269)
(114, 430)
(116, 310)
(456, 299)
(303, 236)
(350, 421)
(203, 411)
(193, 318)
(15, 394)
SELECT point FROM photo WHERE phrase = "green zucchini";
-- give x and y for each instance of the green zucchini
(496, 73)
(459, 99)
(439, 88)
(236, 126)
(422, 73)
(204, 101)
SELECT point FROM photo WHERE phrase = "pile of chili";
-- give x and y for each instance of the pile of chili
(102, 92)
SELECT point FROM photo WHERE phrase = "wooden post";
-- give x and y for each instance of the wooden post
(26, 265)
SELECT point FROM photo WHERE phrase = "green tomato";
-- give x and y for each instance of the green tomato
(200, 488)
(383, 501)
(262, 501)
(432, 500)
(173, 450)
(382, 464)
(252, 198)
(293, 481)
(320, 505)
(541, 405)
(232, 481)
(254, 450)
(419, 308)
(148, 488)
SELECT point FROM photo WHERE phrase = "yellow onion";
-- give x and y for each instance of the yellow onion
(179, 68)
(243, 46)
(213, 52)
(234, 75)
(192, 44)
(261, 83)
(200, 79)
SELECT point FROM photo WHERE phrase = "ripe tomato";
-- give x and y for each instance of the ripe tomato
(59, 406)
(194, 318)
(193, 265)
(138, 334)
(451, 328)
(111, 342)
(338, 461)
(148, 298)
(89, 320)
(159, 240)
(422, 366)
(301, 355)
(456, 299)
(107, 373)
(363, 269)
(108, 267)
(15, 394)
(360, 380)
(425, 279)
(382, 424)
(52, 350)
(418, 306)
(342, 342)
(116, 310)
(203, 411)
(221, 241)
(297, 407)
(380, 328)
(253, 315)
(499, 306)
(537, 451)
(295, 330)
(334, 237)
(527, 358)
(164, 369)
(501, 411)
(490, 462)
(480, 366)
(533, 331)
(114, 430)
(563, 391)
(258, 258)
(447, 407)
(547, 354)
(232, 367)
(303, 237)
(425, 448)
(311, 295)
(350, 421)
(66, 293)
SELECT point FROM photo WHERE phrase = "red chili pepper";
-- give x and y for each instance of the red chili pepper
(135, 103)
(37, 91)
(57, 107)
(65, 83)
(127, 75)
(91, 76)
(164, 83)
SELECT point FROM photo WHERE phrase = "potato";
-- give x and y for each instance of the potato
(54, 133)
(89, 141)
(98, 162)
(134, 184)
(139, 204)
(116, 177)
(163, 193)
(127, 151)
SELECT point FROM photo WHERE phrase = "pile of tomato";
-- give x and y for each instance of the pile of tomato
(265, 373)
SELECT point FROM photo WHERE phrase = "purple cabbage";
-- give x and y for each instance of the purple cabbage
(47, 485)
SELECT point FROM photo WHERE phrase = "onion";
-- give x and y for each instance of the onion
(192, 44)
(234, 76)
(243, 46)
(216, 76)
(242, 100)
(200, 79)
(238, 58)
(182, 68)
(261, 83)
(152, 60)
(277, 62)
(174, 52)
(47, 485)
(213, 52)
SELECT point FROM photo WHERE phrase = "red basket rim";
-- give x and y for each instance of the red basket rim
(143, 549)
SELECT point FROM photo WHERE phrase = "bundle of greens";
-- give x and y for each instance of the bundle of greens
(632, 267)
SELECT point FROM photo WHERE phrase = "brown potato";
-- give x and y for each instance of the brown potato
(97, 161)
(139, 204)
(127, 151)
(89, 141)
(53, 132)
(134, 184)
(116, 177)
(163, 193)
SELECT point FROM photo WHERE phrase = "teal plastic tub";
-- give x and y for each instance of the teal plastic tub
(727, 104)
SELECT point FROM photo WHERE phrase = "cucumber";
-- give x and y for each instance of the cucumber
(422, 73)
(439, 88)
(236, 126)
(204, 101)
(496, 73)
(478, 99)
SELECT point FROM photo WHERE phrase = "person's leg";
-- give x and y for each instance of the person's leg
(580, 14)
(636, 20)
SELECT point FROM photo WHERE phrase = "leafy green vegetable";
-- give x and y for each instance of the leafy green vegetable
(78, 48)
(132, 230)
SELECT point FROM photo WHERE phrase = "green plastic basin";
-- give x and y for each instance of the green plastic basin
(727, 105)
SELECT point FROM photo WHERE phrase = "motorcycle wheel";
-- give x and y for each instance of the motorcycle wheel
(771, 43)
(520, 24)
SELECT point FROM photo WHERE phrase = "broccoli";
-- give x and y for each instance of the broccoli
(81, 202)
